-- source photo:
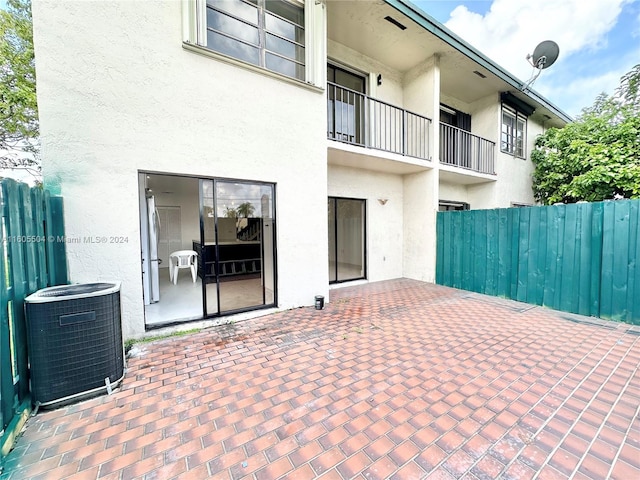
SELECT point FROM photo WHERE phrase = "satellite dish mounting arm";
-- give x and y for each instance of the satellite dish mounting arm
(544, 55)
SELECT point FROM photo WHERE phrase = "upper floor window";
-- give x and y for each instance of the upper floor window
(513, 133)
(265, 33)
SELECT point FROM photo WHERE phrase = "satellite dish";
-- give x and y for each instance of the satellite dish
(544, 55)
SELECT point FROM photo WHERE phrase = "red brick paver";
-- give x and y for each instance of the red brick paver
(397, 379)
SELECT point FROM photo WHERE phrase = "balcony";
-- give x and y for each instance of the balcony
(357, 119)
(460, 148)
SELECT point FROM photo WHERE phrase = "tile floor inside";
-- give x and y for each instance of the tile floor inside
(183, 301)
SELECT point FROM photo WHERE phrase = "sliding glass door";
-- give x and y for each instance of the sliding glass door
(238, 245)
(347, 253)
(346, 106)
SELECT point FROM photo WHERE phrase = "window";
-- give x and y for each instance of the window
(447, 205)
(265, 33)
(513, 135)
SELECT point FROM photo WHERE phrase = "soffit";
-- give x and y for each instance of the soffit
(361, 26)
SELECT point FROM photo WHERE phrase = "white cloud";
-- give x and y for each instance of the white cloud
(511, 29)
(582, 90)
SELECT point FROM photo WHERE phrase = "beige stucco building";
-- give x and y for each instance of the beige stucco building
(291, 145)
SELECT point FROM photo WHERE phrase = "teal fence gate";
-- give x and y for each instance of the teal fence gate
(582, 258)
(32, 256)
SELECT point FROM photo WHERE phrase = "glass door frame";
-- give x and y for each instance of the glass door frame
(219, 313)
(363, 201)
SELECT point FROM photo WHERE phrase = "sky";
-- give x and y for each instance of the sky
(599, 41)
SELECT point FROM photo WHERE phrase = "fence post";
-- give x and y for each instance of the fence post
(14, 229)
(6, 365)
(54, 231)
(59, 246)
(37, 207)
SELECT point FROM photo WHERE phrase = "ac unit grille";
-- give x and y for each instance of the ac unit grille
(74, 345)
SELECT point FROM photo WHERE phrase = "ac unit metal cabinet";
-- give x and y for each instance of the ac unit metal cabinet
(75, 341)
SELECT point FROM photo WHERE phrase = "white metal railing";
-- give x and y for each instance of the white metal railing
(463, 149)
(356, 118)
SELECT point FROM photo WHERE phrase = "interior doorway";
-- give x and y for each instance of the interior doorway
(208, 247)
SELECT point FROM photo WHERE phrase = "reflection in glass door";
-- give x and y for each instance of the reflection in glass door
(347, 257)
(206, 249)
(346, 106)
(239, 237)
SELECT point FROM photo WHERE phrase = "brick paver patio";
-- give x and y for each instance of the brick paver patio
(397, 379)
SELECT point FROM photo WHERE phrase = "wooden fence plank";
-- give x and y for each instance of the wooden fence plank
(523, 256)
(479, 261)
(29, 229)
(634, 294)
(551, 259)
(467, 264)
(38, 221)
(503, 257)
(597, 211)
(6, 375)
(570, 271)
(535, 280)
(24, 263)
(456, 255)
(514, 231)
(606, 289)
(492, 252)
(15, 232)
(56, 229)
(441, 234)
(582, 258)
(620, 260)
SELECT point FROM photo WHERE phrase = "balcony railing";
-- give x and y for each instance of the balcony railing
(463, 149)
(357, 119)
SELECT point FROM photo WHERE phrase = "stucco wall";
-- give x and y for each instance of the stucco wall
(391, 89)
(454, 192)
(384, 222)
(117, 94)
(421, 193)
(514, 174)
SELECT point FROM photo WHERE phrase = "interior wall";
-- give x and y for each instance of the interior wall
(189, 203)
(350, 221)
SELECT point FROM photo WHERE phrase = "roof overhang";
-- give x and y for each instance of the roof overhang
(547, 109)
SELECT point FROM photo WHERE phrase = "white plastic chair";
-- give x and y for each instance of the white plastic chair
(182, 259)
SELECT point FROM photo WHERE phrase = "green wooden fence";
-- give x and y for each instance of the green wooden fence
(582, 258)
(32, 256)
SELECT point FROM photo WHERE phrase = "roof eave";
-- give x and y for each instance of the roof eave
(436, 28)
